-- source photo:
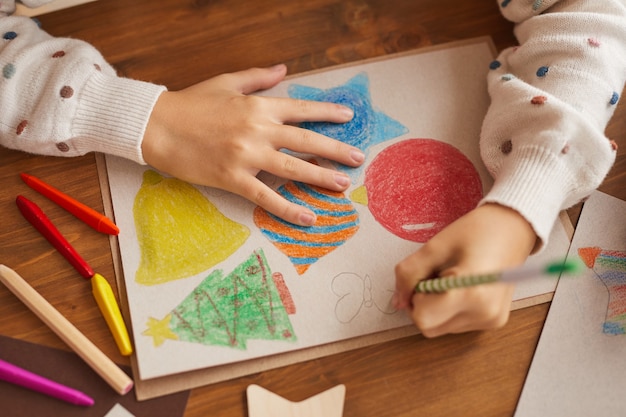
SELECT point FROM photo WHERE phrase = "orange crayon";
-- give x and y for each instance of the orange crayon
(88, 215)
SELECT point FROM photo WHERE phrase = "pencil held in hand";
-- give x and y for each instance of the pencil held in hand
(522, 273)
(444, 284)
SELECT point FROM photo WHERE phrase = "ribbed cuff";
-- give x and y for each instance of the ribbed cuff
(535, 184)
(113, 115)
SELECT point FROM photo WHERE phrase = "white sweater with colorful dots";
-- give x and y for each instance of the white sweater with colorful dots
(551, 99)
(59, 97)
(542, 139)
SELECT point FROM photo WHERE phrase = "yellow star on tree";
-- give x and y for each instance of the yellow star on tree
(160, 330)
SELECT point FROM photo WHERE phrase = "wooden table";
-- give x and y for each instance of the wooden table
(179, 43)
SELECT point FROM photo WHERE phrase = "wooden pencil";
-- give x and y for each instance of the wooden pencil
(95, 358)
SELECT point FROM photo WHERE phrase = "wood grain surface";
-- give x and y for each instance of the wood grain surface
(180, 42)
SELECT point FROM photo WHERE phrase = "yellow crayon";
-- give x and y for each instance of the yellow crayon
(103, 293)
(89, 352)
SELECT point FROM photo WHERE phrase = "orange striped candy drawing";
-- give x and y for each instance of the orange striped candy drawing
(337, 221)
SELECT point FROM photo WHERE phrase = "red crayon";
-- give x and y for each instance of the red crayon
(88, 215)
(101, 289)
(40, 221)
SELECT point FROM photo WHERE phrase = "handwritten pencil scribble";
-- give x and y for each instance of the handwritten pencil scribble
(355, 293)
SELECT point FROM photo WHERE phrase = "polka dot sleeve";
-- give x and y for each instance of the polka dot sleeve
(59, 97)
(551, 99)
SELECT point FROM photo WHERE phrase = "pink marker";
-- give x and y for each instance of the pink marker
(18, 376)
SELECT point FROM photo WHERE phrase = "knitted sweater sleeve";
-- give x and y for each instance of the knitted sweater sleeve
(59, 97)
(551, 99)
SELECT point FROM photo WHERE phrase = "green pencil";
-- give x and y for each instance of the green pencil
(522, 273)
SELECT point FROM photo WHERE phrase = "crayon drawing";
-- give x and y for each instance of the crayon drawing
(580, 362)
(367, 128)
(609, 266)
(416, 187)
(337, 221)
(199, 300)
(180, 232)
(229, 311)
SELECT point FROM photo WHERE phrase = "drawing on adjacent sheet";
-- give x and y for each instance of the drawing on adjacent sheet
(610, 268)
(249, 303)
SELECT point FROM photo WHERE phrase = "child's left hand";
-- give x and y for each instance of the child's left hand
(215, 133)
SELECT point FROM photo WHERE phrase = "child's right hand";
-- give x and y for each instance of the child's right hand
(214, 133)
(488, 239)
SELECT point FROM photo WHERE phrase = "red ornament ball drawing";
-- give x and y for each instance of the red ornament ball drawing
(418, 186)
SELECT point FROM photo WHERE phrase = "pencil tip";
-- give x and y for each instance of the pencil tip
(566, 267)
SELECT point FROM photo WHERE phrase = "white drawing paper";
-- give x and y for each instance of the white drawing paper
(579, 367)
(211, 279)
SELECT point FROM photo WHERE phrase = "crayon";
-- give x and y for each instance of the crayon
(85, 213)
(79, 343)
(103, 293)
(19, 376)
(42, 223)
(101, 289)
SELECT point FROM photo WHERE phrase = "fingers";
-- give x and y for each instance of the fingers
(296, 169)
(253, 79)
(309, 142)
(285, 110)
(483, 307)
(268, 199)
(420, 265)
(280, 112)
(289, 110)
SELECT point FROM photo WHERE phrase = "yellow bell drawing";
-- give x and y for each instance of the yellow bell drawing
(180, 232)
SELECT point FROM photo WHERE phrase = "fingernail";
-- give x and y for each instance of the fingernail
(395, 301)
(278, 67)
(398, 302)
(357, 156)
(342, 180)
(347, 111)
(307, 219)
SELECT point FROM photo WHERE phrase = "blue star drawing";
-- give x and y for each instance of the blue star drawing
(368, 127)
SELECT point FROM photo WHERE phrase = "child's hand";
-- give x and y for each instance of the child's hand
(488, 239)
(215, 134)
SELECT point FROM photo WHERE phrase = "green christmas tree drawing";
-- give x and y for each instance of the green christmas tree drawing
(249, 303)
